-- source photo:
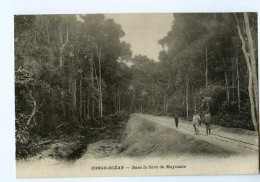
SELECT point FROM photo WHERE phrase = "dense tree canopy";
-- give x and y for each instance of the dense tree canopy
(72, 70)
(203, 68)
(65, 66)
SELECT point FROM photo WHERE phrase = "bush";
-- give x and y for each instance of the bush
(240, 120)
(24, 145)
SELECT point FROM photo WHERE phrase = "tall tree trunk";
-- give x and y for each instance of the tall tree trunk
(227, 89)
(84, 110)
(166, 109)
(195, 104)
(206, 70)
(164, 102)
(60, 56)
(208, 106)
(93, 108)
(251, 90)
(63, 107)
(132, 103)
(116, 101)
(99, 51)
(251, 96)
(187, 96)
(62, 45)
(233, 86)
(124, 102)
(88, 106)
(238, 86)
(80, 99)
(74, 93)
(92, 87)
(72, 85)
(253, 63)
(119, 102)
(48, 34)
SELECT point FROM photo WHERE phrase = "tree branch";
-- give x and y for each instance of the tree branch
(33, 111)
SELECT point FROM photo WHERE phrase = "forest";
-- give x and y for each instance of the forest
(75, 77)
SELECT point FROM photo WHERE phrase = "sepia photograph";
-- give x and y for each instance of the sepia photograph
(136, 94)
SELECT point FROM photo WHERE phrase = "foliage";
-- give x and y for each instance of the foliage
(197, 71)
(72, 75)
(59, 61)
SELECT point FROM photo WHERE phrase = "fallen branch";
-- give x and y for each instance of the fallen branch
(33, 111)
(60, 125)
(44, 142)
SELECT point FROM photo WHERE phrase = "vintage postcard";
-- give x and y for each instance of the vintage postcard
(136, 94)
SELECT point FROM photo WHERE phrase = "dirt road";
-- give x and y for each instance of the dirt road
(220, 136)
(154, 141)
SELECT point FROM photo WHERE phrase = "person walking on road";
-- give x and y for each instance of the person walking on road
(195, 121)
(207, 121)
(176, 120)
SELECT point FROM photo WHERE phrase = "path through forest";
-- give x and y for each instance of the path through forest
(236, 139)
(152, 141)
